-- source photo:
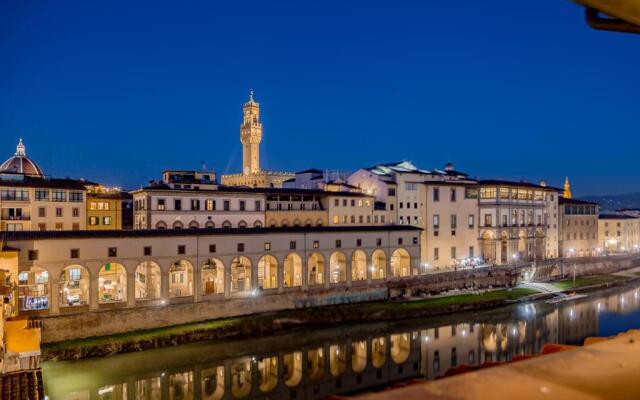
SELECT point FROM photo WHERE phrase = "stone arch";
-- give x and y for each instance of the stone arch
(315, 363)
(226, 224)
(337, 267)
(337, 359)
(112, 283)
(296, 222)
(378, 351)
(181, 279)
(194, 224)
(284, 223)
(315, 269)
(74, 286)
(161, 225)
(242, 224)
(400, 347)
(488, 246)
(292, 270)
(268, 373)
(212, 276)
(358, 266)
(358, 356)
(241, 378)
(400, 263)
(241, 275)
(34, 289)
(292, 365)
(319, 222)
(257, 224)
(177, 225)
(268, 272)
(272, 223)
(308, 222)
(378, 264)
(209, 225)
(148, 281)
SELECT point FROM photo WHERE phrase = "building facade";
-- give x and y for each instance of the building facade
(578, 221)
(106, 208)
(251, 137)
(618, 233)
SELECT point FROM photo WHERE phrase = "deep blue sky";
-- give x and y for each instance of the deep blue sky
(117, 91)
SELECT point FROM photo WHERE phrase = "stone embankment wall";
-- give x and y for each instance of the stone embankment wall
(107, 322)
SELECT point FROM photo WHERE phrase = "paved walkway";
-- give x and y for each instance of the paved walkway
(631, 273)
(541, 287)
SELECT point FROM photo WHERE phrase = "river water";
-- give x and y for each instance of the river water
(316, 363)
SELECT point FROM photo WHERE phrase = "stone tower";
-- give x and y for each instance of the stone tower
(567, 189)
(251, 136)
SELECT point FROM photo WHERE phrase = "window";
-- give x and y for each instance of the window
(258, 205)
(267, 246)
(226, 205)
(242, 205)
(106, 221)
(436, 253)
(453, 195)
(59, 195)
(353, 203)
(75, 197)
(75, 274)
(209, 205)
(400, 240)
(391, 192)
(344, 202)
(195, 205)
(59, 212)
(436, 194)
(488, 220)
(358, 242)
(453, 252)
(59, 226)
(93, 221)
(470, 251)
(292, 245)
(436, 221)
(75, 226)
(488, 193)
(161, 205)
(411, 186)
(378, 242)
(42, 227)
(177, 204)
(316, 244)
(33, 255)
(42, 212)
(212, 248)
(338, 244)
(42, 195)
(454, 221)
(470, 193)
(112, 252)
(471, 220)
(415, 240)
(75, 211)
(240, 247)
(147, 251)
(182, 249)
(401, 204)
(74, 253)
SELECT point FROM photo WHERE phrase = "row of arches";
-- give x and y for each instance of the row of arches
(295, 222)
(112, 280)
(207, 225)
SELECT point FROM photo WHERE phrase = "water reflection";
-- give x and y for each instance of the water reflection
(341, 360)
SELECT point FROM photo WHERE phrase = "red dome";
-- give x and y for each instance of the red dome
(21, 164)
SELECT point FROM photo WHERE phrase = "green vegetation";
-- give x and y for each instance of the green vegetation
(582, 281)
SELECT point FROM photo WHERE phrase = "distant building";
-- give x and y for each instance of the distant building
(334, 181)
(619, 233)
(106, 208)
(250, 137)
(578, 221)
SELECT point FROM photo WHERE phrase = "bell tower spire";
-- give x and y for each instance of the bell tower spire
(567, 188)
(251, 136)
(21, 150)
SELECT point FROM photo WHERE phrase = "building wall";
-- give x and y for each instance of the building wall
(103, 212)
(619, 234)
(578, 230)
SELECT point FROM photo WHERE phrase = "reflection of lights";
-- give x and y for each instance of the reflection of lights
(254, 293)
(163, 302)
(105, 390)
(599, 306)
(426, 338)
(464, 332)
(572, 313)
(514, 331)
(162, 374)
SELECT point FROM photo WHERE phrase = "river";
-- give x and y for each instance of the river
(316, 363)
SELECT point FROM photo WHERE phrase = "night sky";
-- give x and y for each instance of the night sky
(117, 91)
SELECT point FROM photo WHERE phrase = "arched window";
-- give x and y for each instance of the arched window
(400, 263)
(181, 279)
(315, 267)
(337, 267)
(268, 373)
(242, 224)
(292, 270)
(337, 359)
(358, 356)
(74, 286)
(226, 224)
(400, 347)
(358, 266)
(161, 225)
(378, 264)
(257, 224)
(148, 281)
(177, 225)
(112, 283)
(209, 225)
(240, 275)
(194, 225)
(241, 378)
(268, 272)
(292, 363)
(212, 276)
(33, 293)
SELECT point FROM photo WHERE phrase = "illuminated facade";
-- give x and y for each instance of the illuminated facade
(578, 222)
(619, 233)
(104, 208)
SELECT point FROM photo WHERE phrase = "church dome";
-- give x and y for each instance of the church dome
(21, 164)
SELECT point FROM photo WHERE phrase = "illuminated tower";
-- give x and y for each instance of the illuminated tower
(567, 189)
(251, 136)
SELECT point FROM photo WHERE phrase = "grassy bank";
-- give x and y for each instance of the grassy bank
(583, 281)
(270, 323)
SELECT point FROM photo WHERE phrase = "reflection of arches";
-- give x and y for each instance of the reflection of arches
(147, 281)
(268, 272)
(292, 270)
(338, 267)
(194, 224)
(33, 293)
(358, 266)
(315, 267)
(212, 276)
(181, 386)
(213, 383)
(315, 363)
(74, 286)
(400, 347)
(112, 283)
(378, 352)
(177, 225)
(337, 359)
(226, 224)
(378, 264)
(292, 368)
(400, 263)
(240, 275)
(241, 378)
(358, 356)
(268, 374)
(242, 224)
(257, 224)
(161, 225)
(209, 225)
(181, 279)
